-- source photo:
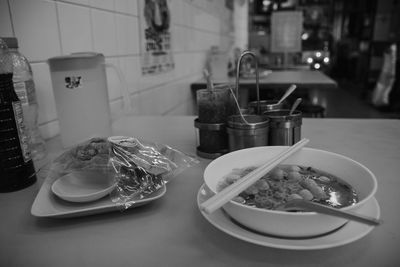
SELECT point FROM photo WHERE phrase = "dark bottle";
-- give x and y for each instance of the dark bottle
(16, 166)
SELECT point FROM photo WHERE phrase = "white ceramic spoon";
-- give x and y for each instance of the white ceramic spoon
(84, 186)
(300, 204)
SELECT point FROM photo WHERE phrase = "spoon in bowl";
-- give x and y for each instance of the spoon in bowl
(304, 205)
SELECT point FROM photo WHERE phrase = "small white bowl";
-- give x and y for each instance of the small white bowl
(83, 186)
(289, 224)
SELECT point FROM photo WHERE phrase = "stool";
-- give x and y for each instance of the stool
(312, 111)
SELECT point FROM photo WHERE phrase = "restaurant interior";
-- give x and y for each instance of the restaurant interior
(199, 133)
(355, 36)
(349, 41)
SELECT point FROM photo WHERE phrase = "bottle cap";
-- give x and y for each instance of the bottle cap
(11, 42)
(6, 65)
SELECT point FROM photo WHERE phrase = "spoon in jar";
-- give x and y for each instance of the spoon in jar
(288, 92)
(304, 205)
(295, 105)
(207, 76)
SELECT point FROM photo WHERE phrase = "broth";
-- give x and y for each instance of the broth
(287, 182)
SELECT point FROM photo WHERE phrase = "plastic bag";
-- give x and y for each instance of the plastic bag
(139, 168)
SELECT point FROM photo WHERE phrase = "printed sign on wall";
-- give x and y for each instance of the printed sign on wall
(286, 29)
(156, 37)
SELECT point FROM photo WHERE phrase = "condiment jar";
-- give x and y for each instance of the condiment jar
(284, 129)
(247, 131)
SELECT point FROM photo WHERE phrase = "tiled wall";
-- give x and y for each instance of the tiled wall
(48, 28)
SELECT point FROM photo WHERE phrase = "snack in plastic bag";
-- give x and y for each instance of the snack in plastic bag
(141, 169)
(138, 168)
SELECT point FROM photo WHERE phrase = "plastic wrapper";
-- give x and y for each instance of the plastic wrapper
(139, 168)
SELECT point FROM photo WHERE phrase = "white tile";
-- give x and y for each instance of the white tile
(79, 2)
(150, 81)
(116, 109)
(182, 109)
(152, 102)
(188, 14)
(176, 12)
(191, 41)
(49, 129)
(135, 100)
(102, 4)
(118, 90)
(113, 83)
(44, 92)
(127, 6)
(200, 39)
(140, 7)
(180, 65)
(200, 3)
(131, 70)
(178, 38)
(170, 95)
(35, 25)
(75, 29)
(127, 34)
(199, 19)
(104, 32)
(162, 98)
(5, 20)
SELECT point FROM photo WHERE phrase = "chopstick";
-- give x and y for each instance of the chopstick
(225, 195)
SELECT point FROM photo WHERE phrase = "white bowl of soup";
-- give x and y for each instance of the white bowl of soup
(311, 174)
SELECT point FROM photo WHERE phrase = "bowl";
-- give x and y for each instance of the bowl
(283, 223)
(83, 186)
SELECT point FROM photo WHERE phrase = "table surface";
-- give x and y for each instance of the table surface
(278, 79)
(172, 232)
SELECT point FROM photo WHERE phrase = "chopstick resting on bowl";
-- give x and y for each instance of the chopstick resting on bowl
(225, 195)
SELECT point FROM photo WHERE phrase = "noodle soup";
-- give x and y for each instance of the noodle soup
(288, 182)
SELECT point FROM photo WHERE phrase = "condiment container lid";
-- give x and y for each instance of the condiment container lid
(80, 60)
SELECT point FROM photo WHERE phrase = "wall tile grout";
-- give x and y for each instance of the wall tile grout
(59, 28)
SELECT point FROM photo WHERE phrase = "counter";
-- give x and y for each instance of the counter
(172, 232)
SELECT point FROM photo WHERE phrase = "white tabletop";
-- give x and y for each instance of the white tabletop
(172, 232)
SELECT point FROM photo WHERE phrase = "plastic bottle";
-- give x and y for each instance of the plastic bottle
(16, 166)
(25, 89)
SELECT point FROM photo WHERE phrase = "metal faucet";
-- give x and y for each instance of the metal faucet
(250, 53)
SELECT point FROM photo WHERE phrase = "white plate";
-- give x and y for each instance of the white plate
(350, 232)
(46, 204)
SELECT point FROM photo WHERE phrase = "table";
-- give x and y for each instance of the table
(172, 231)
(309, 83)
(278, 79)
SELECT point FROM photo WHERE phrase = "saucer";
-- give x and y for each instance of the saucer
(348, 233)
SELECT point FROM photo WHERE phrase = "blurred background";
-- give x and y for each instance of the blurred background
(346, 40)
(350, 37)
